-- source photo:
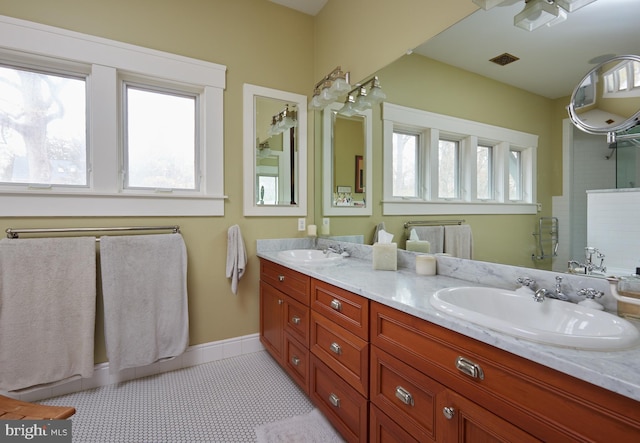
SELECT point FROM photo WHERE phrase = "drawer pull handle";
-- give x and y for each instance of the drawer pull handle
(448, 412)
(280, 278)
(404, 396)
(470, 368)
(335, 400)
(280, 301)
(335, 348)
(295, 361)
(335, 304)
(295, 320)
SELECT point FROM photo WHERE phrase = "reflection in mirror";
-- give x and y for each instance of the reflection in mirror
(347, 152)
(455, 78)
(607, 100)
(274, 161)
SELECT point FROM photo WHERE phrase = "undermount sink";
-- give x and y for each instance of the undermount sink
(309, 256)
(551, 322)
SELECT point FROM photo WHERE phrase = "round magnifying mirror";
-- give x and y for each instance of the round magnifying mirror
(607, 99)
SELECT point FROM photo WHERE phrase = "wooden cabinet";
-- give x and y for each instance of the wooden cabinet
(489, 394)
(339, 346)
(284, 319)
(382, 375)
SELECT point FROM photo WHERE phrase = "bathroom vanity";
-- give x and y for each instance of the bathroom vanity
(382, 365)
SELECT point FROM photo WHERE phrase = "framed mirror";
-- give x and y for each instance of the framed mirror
(607, 100)
(346, 162)
(274, 152)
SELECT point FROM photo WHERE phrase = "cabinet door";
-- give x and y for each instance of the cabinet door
(271, 320)
(462, 420)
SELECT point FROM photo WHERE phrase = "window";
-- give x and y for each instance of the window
(120, 130)
(484, 172)
(445, 165)
(43, 140)
(448, 169)
(160, 145)
(405, 157)
(623, 80)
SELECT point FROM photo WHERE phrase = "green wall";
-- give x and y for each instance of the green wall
(418, 82)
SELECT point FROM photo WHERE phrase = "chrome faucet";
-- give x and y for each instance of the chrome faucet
(557, 293)
(337, 249)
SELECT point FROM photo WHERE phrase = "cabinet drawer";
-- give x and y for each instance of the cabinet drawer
(290, 282)
(344, 352)
(296, 362)
(343, 307)
(343, 406)
(383, 429)
(405, 394)
(296, 318)
(520, 389)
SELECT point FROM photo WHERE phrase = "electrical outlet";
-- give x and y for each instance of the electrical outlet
(326, 226)
(539, 205)
(302, 224)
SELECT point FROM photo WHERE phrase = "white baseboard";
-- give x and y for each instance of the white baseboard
(193, 356)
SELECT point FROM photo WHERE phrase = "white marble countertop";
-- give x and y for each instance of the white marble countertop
(406, 291)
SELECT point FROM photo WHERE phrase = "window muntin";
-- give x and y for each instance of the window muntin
(484, 172)
(160, 139)
(43, 128)
(406, 147)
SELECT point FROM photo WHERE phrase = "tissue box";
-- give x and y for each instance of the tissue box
(418, 246)
(385, 256)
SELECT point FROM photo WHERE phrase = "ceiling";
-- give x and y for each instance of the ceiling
(552, 59)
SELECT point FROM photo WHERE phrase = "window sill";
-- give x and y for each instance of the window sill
(50, 204)
(395, 207)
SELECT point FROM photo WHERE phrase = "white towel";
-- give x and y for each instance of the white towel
(434, 235)
(458, 241)
(47, 310)
(236, 256)
(379, 227)
(144, 287)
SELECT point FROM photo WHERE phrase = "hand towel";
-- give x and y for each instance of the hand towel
(434, 235)
(47, 310)
(236, 256)
(144, 288)
(379, 227)
(458, 241)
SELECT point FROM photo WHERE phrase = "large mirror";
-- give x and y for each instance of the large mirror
(274, 152)
(346, 162)
(451, 74)
(607, 99)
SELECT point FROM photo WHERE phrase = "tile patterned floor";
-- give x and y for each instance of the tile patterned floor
(222, 402)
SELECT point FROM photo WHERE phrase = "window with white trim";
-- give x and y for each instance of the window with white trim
(439, 164)
(94, 127)
(623, 80)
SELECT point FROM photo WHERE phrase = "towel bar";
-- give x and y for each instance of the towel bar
(14, 233)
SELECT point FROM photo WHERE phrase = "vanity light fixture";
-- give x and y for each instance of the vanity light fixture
(537, 13)
(328, 89)
(285, 119)
(365, 99)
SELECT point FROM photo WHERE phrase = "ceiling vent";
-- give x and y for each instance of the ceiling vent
(504, 59)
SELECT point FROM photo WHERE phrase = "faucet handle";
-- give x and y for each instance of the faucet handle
(590, 293)
(525, 281)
